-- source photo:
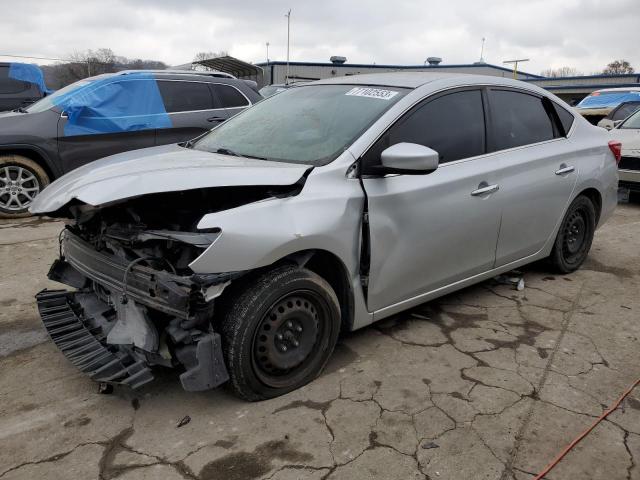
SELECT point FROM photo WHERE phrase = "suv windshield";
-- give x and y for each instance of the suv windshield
(50, 100)
(310, 125)
(632, 122)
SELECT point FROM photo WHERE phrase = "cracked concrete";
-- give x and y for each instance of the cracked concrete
(486, 383)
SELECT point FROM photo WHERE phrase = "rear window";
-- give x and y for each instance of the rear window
(518, 119)
(566, 119)
(229, 97)
(185, 96)
(9, 85)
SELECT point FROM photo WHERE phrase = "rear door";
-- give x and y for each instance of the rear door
(538, 167)
(115, 121)
(190, 105)
(229, 101)
(428, 231)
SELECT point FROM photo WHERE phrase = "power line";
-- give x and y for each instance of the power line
(37, 58)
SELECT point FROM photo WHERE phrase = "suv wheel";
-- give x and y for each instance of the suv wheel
(21, 179)
(574, 238)
(279, 331)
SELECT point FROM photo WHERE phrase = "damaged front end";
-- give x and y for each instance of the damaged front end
(136, 303)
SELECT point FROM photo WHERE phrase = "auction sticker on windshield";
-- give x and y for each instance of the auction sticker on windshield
(372, 93)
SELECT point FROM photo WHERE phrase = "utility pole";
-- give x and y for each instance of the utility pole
(267, 53)
(288, 15)
(515, 65)
(482, 50)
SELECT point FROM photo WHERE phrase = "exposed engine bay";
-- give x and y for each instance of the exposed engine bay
(137, 303)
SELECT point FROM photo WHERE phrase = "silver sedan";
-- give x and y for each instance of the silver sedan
(238, 257)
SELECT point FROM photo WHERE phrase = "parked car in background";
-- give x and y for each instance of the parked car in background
(618, 114)
(242, 255)
(600, 103)
(628, 132)
(21, 84)
(108, 114)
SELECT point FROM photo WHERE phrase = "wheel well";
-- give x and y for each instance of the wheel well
(595, 197)
(331, 268)
(323, 263)
(32, 155)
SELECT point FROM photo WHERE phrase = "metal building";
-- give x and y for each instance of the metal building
(276, 72)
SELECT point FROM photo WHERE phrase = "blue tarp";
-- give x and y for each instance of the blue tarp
(120, 103)
(608, 99)
(28, 72)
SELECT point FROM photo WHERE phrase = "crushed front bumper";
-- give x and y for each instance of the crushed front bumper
(166, 322)
(82, 343)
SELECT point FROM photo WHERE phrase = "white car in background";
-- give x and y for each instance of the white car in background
(628, 132)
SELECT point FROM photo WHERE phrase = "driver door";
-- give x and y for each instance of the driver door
(428, 231)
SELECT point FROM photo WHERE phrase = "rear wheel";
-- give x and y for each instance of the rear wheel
(278, 332)
(21, 179)
(575, 236)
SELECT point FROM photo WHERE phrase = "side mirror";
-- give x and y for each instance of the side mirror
(616, 123)
(408, 159)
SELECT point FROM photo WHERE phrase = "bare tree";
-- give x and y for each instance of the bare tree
(618, 67)
(200, 56)
(90, 63)
(561, 72)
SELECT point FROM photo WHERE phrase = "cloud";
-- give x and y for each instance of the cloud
(585, 34)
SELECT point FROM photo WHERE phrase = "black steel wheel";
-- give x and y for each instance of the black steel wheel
(575, 236)
(278, 331)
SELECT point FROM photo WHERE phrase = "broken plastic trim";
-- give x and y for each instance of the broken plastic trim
(160, 290)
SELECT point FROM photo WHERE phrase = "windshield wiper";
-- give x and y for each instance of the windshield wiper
(20, 110)
(226, 151)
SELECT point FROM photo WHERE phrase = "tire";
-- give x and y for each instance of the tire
(278, 331)
(15, 198)
(575, 236)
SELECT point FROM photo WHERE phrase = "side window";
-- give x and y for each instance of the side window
(229, 97)
(518, 119)
(10, 85)
(453, 125)
(185, 96)
(566, 119)
(625, 110)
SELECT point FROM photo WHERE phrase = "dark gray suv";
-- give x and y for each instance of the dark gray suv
(104, 115)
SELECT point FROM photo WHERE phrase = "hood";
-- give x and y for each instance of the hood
(160, 169)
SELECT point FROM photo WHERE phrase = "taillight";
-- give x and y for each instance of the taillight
(616, 149)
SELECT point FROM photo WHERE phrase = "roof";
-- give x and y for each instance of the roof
(399, 67)
(231, 65)
(404, 79)
(390, 79)
(623, 89)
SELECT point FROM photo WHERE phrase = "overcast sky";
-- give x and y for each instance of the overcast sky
(585, 34)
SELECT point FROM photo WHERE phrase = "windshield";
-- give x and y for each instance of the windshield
(632, 122)
(608, 99)
(310, 125)
(50, 100)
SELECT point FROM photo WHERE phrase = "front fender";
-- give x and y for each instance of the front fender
(325, 215)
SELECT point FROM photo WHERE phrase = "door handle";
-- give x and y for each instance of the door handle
(564, 169)
(485, 189)
(216, 119)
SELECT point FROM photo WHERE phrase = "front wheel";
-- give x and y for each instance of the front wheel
(21, 179)
(278, 332)
(575, 236)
